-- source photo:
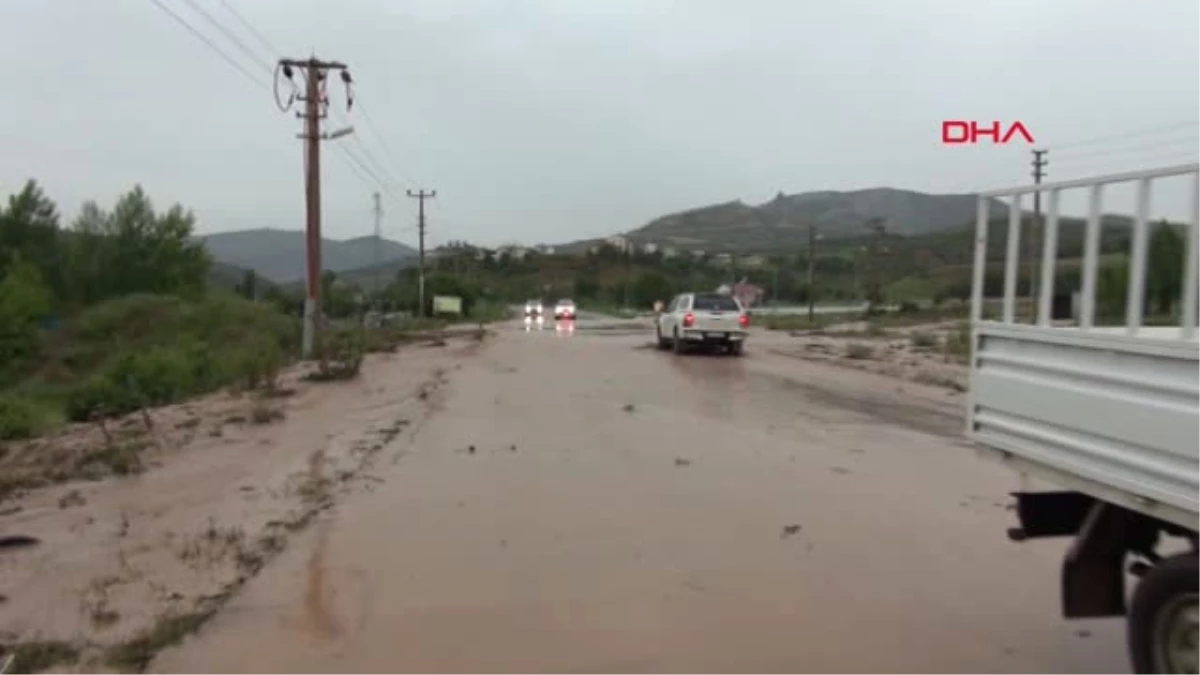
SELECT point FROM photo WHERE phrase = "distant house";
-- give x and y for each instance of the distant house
(746, 293)
(749, 294)
(753, 260)
(650, 248)
(545, 249)
(618, 242)
(723, 258)
(698, 253)
(669, 252)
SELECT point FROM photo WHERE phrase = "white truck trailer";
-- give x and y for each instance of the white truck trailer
(1109, 415)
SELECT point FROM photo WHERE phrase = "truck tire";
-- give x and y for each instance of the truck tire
(677, 343)
(1163, 617)
(735, 348)
(661, 342)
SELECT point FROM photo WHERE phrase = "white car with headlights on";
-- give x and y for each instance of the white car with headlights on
(565, 309)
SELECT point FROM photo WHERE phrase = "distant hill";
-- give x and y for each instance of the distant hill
(784, 221)
(366, 277)
(278, 255)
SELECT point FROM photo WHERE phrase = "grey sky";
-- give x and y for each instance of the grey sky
(554, 120)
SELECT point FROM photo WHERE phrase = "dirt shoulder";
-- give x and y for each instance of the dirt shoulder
(932, 354)
(119, 540)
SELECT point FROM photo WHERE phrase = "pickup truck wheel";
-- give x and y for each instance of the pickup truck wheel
(677, 342)
(661, 343)
(1164, 618)
(735, 348)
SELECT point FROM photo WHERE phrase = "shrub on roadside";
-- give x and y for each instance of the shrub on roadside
(18, 417)
(924, 340)
(859, 351)
(341, 356)
(155, 350)
(958, 343)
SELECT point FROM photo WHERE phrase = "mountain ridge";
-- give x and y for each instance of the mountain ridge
(279, 255)
(785, 219)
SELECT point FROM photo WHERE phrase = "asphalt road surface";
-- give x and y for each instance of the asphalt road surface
(582, 502)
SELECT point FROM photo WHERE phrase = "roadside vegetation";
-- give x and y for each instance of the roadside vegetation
(118, 312)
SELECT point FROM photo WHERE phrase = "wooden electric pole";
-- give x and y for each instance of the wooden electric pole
(421, 196)
(314, 73)
(812, 253)
(874, 283)
(1038, 164)
(378, 242)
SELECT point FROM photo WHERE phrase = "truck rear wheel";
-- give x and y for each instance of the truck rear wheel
(1163, 618)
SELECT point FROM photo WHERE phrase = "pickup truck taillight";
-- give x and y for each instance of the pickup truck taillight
(688, 320)
(743, 320)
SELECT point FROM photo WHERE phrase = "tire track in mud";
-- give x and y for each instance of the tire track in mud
(880, 402)
(318, 593)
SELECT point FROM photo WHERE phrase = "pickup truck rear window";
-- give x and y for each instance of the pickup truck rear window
(717, 303)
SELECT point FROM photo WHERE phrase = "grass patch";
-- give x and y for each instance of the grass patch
(38, 657)
(135, 655)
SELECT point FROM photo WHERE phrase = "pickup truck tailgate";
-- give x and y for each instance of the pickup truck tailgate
(717, 321)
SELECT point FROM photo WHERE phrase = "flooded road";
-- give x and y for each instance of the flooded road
(582, 502)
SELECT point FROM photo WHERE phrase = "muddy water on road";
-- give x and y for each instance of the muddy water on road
(585, 504)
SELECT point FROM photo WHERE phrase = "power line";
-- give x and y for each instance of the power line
(387, 151)
(1149, 131)
(1120, 151)
(228, 33)
(253, 31)
(211, 45)
(249, 52)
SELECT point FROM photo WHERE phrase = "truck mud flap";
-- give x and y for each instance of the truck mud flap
(1093, 575)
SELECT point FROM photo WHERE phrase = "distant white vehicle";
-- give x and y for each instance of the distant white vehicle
(565, 309)
(698, 319)
(533, 309)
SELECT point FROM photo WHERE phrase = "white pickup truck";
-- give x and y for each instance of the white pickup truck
(1111, 414)
(712, 319)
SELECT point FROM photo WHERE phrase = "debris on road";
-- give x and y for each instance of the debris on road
(789, 530)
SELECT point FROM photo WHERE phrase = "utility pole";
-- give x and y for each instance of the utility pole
(314, 74)
(812, 245)
(421, 196)
(874, 290)
(1038, 164)
(378, 242)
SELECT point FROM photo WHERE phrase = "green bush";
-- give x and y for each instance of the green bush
(341, 356)
(18, 417)
(156, 350)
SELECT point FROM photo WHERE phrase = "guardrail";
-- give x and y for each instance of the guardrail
(1091, 249)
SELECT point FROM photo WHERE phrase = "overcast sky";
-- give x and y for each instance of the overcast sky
(553, 120)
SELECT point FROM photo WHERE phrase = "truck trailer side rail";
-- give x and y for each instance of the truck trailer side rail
(1112, 411)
